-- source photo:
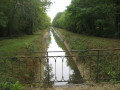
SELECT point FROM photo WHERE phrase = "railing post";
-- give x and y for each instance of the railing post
(40, 69)
(97, 73)
(48, 67)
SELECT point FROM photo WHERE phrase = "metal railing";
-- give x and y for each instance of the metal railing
(34, 67)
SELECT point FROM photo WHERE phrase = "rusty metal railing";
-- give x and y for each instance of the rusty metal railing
(34, 67)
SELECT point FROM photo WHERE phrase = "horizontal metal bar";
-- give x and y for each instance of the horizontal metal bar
(58, 56)
(70, 80)
(74, 84)
(66, 51)
(65, 81)
(52, 81)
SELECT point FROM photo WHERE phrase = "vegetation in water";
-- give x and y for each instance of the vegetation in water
(75, 77)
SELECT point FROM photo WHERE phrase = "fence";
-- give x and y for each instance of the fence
(35, 67)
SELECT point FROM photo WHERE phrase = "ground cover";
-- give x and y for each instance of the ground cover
(101, 65)
(15, 69)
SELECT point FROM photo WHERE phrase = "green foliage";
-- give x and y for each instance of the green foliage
(91, 17)
(16, 86)
(11, 68)
(30, 47)
(3, 20)
(5, 86)
(81, 42)
(56, 20)
(33, 42)
(48, 70)
(108, 64)
(11, 86)
(23, 17)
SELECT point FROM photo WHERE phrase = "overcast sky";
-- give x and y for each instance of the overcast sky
(57, 6)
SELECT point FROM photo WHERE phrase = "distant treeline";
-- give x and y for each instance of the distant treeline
(23, 16)
(91, 17)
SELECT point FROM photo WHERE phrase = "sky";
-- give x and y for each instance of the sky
(57, 6)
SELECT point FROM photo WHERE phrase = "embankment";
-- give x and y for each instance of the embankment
(80, 66)
(75, 41)
(21, 69)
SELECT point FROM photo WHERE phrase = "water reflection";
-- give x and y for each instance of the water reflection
(62, 68)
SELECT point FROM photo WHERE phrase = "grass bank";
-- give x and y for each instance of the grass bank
(81, 42)
(108, 65)
(15, 68)
(22, 43)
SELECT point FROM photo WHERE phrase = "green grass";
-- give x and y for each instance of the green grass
(21, 43)
(78, 42)
(108, 65)
(15, 44)
(11, 67)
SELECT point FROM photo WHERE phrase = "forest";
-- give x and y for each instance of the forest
(19, 17)
(25, 39)
(91, 17)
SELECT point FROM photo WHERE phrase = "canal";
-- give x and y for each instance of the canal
(63, 70)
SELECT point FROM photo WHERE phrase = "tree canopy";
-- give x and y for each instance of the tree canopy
(91, 17)
(23, 16)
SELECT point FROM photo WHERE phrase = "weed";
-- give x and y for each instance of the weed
(11, 86)
(108, 65)
(12, 66)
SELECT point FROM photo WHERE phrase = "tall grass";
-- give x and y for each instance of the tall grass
(78, 42)
(108, 66)
(13, 68)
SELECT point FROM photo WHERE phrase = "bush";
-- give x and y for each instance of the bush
(11, 86)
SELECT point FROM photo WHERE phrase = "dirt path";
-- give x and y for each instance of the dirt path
(102, 86)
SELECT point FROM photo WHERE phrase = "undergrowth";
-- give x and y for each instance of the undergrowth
(15, 68)
(108, 64)
(79, 42)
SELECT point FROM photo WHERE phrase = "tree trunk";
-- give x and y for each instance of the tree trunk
(9, 30)
(117, 22)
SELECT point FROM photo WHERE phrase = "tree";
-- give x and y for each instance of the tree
(56, 19)
(23, 16)
(92, 17)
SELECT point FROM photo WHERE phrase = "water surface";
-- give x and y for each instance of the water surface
(62, 68)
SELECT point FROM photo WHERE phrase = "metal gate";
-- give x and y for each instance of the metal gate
(34, 67)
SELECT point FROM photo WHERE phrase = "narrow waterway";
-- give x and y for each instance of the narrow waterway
(61, 68)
